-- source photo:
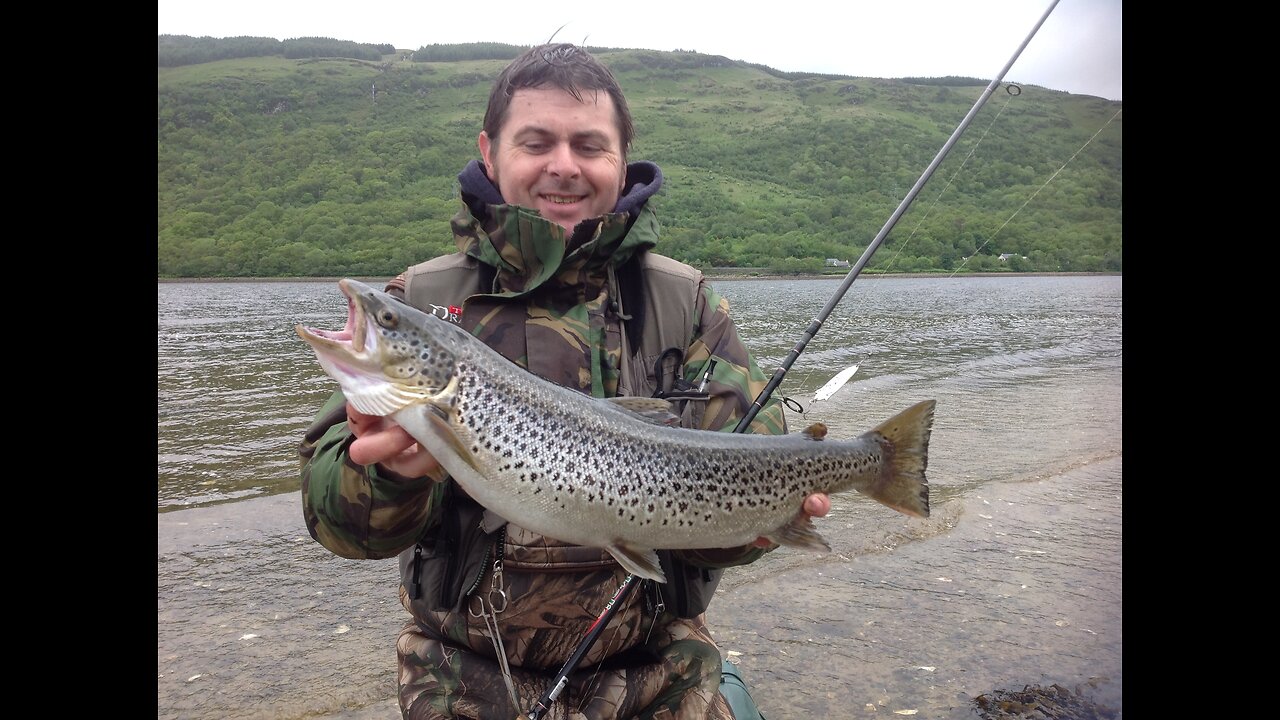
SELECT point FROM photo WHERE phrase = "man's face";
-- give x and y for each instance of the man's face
(557, 155)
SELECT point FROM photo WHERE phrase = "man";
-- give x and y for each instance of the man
(554, 272)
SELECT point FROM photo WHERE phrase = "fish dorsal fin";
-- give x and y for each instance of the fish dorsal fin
(816, 431)
(641, 562)
(653, 410)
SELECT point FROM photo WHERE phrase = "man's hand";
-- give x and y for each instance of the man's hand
(379, 441)
(816, 505)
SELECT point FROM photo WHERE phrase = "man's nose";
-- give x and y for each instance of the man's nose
(562, 161)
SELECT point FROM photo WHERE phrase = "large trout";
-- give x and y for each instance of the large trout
(609, 473)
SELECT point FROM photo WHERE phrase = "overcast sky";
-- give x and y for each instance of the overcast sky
(1078, 49)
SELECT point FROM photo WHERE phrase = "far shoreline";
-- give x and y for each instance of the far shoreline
(709, 275)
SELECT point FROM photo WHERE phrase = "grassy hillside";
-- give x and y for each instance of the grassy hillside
(269, 166)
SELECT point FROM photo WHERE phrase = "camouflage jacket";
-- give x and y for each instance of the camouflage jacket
(554, 303)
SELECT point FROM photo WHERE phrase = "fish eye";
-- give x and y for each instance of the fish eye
(387, 318)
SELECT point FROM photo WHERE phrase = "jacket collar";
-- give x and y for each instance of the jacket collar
(528, 250)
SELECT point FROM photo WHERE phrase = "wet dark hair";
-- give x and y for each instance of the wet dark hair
(557, 65)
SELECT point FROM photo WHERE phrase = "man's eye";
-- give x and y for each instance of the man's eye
(535, 146)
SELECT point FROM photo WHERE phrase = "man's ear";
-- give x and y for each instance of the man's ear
(486, 147)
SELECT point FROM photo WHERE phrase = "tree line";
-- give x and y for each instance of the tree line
(318, 166)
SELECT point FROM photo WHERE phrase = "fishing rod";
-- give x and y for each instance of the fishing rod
(816, 323)
(562, 677)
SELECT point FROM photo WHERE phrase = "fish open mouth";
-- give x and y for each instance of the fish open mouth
(352, 335)
(369, 371)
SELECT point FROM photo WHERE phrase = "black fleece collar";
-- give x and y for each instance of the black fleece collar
(644, 179)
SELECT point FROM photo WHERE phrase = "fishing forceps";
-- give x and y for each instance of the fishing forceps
(490, 615)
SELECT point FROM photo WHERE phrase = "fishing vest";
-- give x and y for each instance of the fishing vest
(449, 562)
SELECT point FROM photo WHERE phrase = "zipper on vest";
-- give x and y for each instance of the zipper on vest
(495, 551)
(415, 584)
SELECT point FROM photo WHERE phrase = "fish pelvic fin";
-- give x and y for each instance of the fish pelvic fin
(799, 532)
(642, 562)
(902, 484)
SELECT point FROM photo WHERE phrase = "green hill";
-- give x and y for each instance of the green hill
(297, 163)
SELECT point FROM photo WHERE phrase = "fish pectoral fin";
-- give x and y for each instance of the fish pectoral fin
(440, 428)
(799, 532)
(642, 562)
(652, 410)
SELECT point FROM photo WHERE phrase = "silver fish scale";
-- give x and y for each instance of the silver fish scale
(555, 450)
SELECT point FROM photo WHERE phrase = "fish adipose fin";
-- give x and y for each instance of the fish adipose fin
(902, 486)
(800, 533)
(816, 431)
(641, 562)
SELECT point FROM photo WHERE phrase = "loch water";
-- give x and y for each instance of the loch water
(1014, 580)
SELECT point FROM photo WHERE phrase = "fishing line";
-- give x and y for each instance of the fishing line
(816, 324)
(989, 240)
(907, 243)
(1042, 187)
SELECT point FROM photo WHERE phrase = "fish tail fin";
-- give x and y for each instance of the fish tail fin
(902, 484)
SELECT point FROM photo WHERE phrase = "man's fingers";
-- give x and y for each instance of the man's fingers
(376, 447)
(817, 505)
